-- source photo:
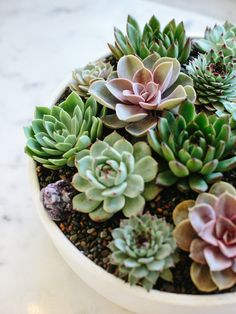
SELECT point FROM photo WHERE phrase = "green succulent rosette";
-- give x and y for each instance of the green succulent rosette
(169, 42)
(195, 149)
(214, 79)
(143, 248)
(218, 38)
(82, 78)
(56, 134)
(114, 176)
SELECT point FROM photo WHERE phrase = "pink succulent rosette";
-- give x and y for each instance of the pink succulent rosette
(138, 89)
(207, 230)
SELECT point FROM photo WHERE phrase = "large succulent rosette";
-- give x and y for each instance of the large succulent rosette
(195, 149)
(141, 89)
(114, 176)
(56, 134)
(207, 229)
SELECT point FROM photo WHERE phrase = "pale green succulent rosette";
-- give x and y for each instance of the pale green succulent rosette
(218, 38)
(143, 248)
(114, 176)
(58, 133)
(84, 77)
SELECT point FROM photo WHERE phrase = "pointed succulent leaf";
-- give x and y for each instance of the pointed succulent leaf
(178, 169)
(198, 184)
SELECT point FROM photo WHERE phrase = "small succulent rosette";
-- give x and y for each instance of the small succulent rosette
(114, 176)
(207, 229)
(138, 90)
(143, 248)
(169, 42)
(218, 38)
(84, 77)
(214, 80)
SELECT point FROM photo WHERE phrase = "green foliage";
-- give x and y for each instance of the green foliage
(57, 134)
(214, 80)
(114, 176)
(194, 147)
(84, 77)
(143, 248)
(218, 38)
(169, 42)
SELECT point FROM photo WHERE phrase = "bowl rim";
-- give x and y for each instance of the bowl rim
(153, 295)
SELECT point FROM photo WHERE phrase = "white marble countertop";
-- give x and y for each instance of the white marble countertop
(41, 41)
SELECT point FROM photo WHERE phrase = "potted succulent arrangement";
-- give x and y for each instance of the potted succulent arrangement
(135, 165)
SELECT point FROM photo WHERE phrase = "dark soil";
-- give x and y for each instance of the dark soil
(92, 238)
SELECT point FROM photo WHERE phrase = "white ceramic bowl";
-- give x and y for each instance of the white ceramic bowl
(134, 299)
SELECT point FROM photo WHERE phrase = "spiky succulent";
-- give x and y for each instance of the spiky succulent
(207, 229)
(140, 91)
(143, 248)
(84, 77)
(195, 148)
(57, 134)
(220, 37)
(171, 42)
(57, 199)
(113, 176)
(214, 80)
